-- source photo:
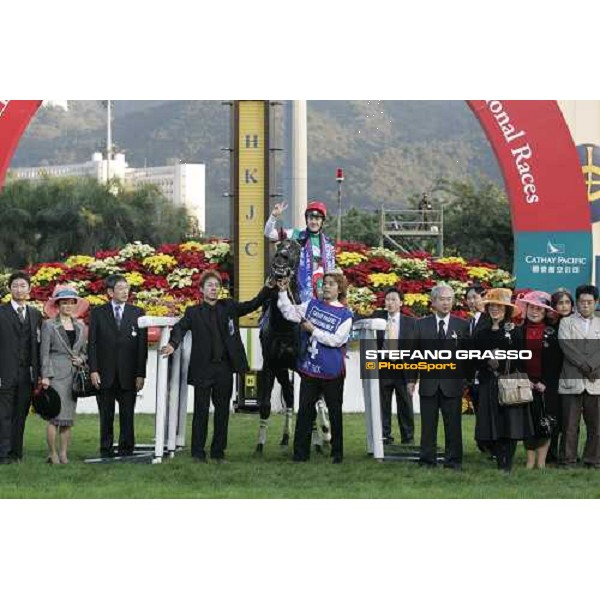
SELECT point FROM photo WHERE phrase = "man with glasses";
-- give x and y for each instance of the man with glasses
(579, 385)
(20, 326)
(118, 350)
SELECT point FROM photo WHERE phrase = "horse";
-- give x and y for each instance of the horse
(279, 340)
(280, 345)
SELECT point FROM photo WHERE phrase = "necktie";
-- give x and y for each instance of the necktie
(441, 332)
(21, 314)
(390, 335)
(118, 315)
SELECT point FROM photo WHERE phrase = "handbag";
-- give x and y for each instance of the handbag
(514, 388)
(82, 382)
(82, 379)
(546, 424)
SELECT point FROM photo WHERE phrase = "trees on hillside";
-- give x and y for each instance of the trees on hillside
(44, 221)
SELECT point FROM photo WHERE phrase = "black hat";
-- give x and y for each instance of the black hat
(46, 403)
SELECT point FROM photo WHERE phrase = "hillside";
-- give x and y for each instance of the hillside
(389, 150)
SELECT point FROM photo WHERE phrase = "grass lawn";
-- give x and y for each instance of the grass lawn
(274, 475)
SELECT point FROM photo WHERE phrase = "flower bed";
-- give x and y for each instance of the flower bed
(164, 280)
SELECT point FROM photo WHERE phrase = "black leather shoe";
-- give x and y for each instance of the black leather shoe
(410, 442)
(107, 454)
(201, 459)
(388, 440)
(336, 460)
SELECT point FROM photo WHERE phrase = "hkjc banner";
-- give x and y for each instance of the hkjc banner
(546, 191)
(14, 118)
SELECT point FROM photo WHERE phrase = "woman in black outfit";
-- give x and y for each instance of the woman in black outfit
(500, 427)
(540, 335)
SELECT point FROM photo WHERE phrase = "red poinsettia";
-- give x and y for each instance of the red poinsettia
(351, 247)
(172, 249)
(449, 271)
(102, 254)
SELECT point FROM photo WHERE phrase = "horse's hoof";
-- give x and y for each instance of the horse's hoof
(259, 449)
(285, 440)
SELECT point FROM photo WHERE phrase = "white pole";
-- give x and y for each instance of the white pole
(162, 381)
(296, 171)
(173, 413)
(186, 350)
(162, 378)
(368, 331)
(108, 139)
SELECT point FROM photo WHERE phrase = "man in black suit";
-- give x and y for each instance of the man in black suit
(117, 354)
(400, 333)
(217, 352)
(444, 332)
(19, 365)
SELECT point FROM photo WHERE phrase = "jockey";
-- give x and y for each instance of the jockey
(318, 251)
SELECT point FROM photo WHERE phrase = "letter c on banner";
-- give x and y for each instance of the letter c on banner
(247, 249)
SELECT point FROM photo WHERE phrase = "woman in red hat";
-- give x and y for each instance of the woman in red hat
(543, 369)
(63, 347)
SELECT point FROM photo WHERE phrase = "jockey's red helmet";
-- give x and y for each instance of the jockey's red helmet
(316, 206)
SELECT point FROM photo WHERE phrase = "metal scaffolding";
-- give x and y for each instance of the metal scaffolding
(407, 229)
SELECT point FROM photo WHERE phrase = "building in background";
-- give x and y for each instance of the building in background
(182, 184)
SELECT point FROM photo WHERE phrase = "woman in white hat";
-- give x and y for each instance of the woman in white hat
(63, 347)
(541, 337)
(496, 426)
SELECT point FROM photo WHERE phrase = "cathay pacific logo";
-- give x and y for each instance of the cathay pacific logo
(555, 248)
(3, 106)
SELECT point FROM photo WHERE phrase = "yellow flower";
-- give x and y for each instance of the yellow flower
(134, 279)
(479, 273)
(45, 275)
(190, 247)
(452, 260)
(349, 259)
(383, 279)
(79, 261)
(160, 263)
(412, 299)
(96, 300)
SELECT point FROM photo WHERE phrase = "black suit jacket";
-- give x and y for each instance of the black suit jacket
(429, 382)
(112, 350)
(196, 320)
(10, 331)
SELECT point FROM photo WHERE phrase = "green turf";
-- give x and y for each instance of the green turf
(274, 475)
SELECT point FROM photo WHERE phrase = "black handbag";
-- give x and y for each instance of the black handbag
(82, 382)
(546, 424)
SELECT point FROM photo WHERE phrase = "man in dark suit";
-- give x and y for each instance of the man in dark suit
(20, 327)
(401, 332)
(117, 354)
(445, 332)
(217, 352)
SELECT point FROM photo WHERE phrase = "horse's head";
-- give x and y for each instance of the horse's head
(286, 259)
